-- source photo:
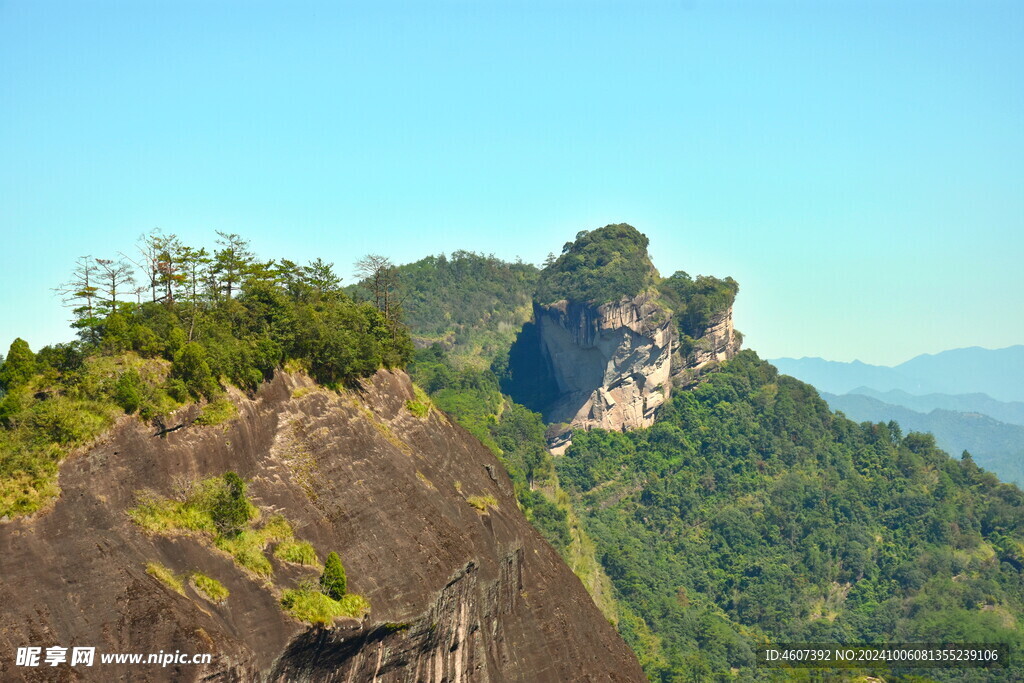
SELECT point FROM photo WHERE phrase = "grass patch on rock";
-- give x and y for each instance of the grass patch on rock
(209, 587)
(306, 603)
(297, 552)
(165, 576)
(223, 515)
(217, 412)
(483, 503)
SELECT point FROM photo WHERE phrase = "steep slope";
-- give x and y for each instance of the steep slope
(750, 513)
(611, 362)
(460, 585)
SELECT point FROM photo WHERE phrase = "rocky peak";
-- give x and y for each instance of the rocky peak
(615, 337)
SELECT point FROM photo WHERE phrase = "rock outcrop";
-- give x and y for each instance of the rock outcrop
(615, 364)
(611, 363)
(460, 590)
(719, 342)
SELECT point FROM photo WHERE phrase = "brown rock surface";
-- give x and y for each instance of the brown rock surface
(457, 594)
(611, 362)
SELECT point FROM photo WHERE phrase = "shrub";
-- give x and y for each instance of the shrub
(333, 582)
(230, 510)
(19, 366)
(417, 408)
(128, 392)
(191, 368)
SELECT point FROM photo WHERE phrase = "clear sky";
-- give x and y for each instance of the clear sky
(857, 166)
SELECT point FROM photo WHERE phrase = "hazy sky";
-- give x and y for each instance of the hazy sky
(857, 166)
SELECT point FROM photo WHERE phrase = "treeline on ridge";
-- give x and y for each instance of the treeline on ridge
(175, 325)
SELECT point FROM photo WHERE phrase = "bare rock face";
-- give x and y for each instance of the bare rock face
(612, 363)
(615, 364)
(459, 590)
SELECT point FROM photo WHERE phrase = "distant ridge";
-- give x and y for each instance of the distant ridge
(1010, 412)
(998, 373)
(995, 445)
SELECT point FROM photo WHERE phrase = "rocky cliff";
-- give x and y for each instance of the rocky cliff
(614, 364)
(611, 363)
(460, 585)
(718, 342)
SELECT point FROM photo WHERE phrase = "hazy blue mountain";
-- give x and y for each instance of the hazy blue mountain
(999, 373)
(995, 445)
(1011, 412)
(839, 378)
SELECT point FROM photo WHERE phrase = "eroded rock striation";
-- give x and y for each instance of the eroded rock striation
(459, 590)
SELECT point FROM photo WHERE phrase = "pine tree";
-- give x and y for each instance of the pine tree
(230, 510)
(333, 582)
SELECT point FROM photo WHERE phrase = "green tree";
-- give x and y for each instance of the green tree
(191, 368)
(81, 293)
(128, 392)
(333, 582)
(230, 508)
(230, 262)
(19, 366)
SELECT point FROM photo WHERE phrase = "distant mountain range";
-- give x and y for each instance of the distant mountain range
(997, 373)
(970, 399)
(994, 445)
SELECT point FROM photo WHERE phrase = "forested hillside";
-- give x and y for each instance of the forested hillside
(751, 513)
(748, 514)
(473, 305)
(174, 326)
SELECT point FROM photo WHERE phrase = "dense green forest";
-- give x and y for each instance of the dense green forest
(470, 303)
(599, 266)
(176, 326)
(750, 513)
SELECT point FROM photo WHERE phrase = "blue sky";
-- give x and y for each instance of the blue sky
(857, 166)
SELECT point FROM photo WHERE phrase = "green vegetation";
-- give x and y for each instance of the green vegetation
(333, 582)
(306, 603)
(172, 328)
(321, 604)
(421, 405)
(471, 303)
(296, 552)
(750, 513)
(210, 587)
(602, 265)
(218, 510)
(516, 435)
(165, 576)
(218, 412)
(483, 503)
(512, 432)
(696, 303)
